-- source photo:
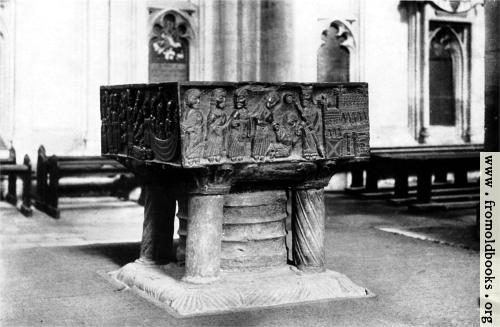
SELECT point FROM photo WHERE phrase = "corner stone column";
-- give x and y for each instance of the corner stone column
(204, 234)
(308, 228)
(182, 215)
(158, 226)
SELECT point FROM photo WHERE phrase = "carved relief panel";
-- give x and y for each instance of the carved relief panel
(197, 124)
(140, 122)
(114, 121)
(261, 123)
(346, 122)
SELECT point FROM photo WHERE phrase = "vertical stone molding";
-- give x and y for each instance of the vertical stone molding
(308, 227)
(158, 227)
(204, 232)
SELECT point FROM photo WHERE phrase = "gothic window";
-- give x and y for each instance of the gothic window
(441, 92)
(169, 48)
(441, 67)
(447, 61)
(333, 57)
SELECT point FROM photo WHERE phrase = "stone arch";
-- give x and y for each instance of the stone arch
(337, 55)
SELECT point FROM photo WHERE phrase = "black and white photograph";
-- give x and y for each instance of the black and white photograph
(249, 163)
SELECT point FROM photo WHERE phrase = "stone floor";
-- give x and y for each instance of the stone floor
(53, 272)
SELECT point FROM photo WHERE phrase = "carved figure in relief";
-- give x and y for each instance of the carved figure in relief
(138, 128)
(156, 115)
(109, 128)
(309, 142)
(216, 126)
(115, 122)
(104, 124)
(264, 134)
(239, 126)
(161, 139)
(293, 121)
(161, 124)
(122, 116)
(286, 136)
(168, 122)
(288, 103)
(158, 122)
(192, 127)
(311, 126)
(140, 114)
(132, 113)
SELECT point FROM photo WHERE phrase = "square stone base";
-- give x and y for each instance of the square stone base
(234, 291)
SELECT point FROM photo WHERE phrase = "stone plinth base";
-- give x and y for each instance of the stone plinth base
(235, 290)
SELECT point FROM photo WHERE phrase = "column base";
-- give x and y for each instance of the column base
(234, 291)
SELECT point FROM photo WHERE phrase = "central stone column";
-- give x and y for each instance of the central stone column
(254, 230)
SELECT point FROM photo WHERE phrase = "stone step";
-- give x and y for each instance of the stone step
(436, 198)
(421, 207)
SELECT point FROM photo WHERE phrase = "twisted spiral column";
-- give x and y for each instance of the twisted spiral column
(308, 227)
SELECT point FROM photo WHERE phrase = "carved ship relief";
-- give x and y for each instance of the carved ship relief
(162, 134)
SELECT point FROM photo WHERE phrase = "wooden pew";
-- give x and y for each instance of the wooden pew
(51, 172)
(10, 169)
(9, 159)
(424, 163)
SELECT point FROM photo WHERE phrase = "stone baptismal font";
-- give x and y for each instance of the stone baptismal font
(238, 159)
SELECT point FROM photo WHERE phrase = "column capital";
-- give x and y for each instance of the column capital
(312, 184)
(320, 177)
(211, 180)
(210, 189)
